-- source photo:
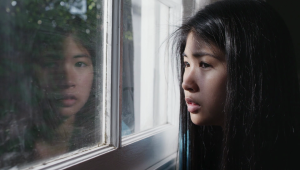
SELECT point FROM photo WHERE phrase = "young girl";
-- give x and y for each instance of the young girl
(240, 93)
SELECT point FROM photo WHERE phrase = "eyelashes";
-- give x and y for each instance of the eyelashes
(186, 64)
(80, 64)
(204, 65)
(201, 64)
(54, 65)
(50, 65)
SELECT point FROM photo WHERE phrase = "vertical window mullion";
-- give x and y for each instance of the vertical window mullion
(107, 33)
(116, 75)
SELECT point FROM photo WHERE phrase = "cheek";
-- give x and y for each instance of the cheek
(215, 87)
(84, 83)
(214, 96)
(44, 78)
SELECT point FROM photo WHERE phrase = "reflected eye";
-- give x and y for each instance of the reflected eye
(186, 64)
(80, 64)
(204, 65)
(50, 65)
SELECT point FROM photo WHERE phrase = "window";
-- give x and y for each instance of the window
(88, 84)
(145, 64)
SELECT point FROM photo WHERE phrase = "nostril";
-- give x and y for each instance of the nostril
(190, 89)
(191, 86)
(66, 85)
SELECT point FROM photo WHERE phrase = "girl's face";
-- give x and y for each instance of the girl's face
(204, 81)
(67, 76)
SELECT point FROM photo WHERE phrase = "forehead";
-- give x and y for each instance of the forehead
(69, 48)
(196, 44)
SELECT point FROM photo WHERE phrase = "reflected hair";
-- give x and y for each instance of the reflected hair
(261, 126)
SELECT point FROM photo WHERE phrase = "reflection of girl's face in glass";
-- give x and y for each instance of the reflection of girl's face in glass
(67, 76)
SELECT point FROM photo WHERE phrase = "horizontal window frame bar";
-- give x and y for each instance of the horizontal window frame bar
(127, 140)
(85, 154)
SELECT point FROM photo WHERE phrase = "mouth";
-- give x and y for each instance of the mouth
(66, 100)
(193, 107)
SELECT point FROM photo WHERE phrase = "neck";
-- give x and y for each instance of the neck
(60, 144)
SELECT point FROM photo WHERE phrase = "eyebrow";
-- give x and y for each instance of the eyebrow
(201, 54)
(81, 56)
(51, 56)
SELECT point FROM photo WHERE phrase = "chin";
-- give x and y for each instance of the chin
(200, 120)
(68, 112)
(197, 119)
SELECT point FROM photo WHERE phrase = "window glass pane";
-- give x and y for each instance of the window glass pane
(51, 78)
(145, 65)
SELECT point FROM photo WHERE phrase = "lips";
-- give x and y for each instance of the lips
(193, 107)
(66, 100)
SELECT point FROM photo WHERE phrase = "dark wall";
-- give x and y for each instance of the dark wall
(290, 12)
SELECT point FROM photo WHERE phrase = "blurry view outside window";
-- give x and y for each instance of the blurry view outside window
(145, 68)
(50, 71)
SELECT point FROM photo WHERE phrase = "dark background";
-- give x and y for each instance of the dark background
(290, 12)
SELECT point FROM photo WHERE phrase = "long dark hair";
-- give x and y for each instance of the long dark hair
(261, 126)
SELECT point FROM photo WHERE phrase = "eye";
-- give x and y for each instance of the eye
(50, 65)
(186, 64)
(80, 64)
(204, 65)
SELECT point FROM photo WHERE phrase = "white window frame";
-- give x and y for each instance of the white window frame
(148, 149)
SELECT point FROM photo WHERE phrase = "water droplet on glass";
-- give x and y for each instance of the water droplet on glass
(39, 22)
(53, 23)
(87, 31)
(14, 3)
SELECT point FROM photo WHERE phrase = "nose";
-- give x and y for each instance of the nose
(189, 82)
(65, 77)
